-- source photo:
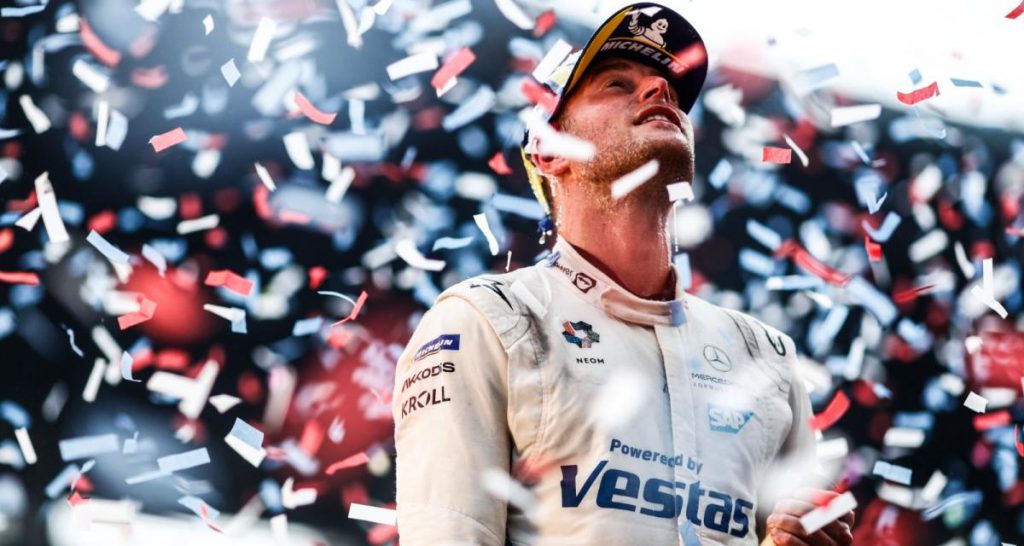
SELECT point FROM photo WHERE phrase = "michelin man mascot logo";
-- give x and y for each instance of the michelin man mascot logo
(652, 33)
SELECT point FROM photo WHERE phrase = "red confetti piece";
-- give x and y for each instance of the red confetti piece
(75, 499)
(312, 437)
(689, 57)
(355, 310)
(912, 294)
(810, 264)
(230, 280)
(147, 308)
(991, 420)
(835, 410)
(454, 66)
(498, 164)
(204, 514)
(1015, 231)
(102, 222)
(358, 459)
(6, 239)
(874, 249)
(771, 154)
(171, 138)
(19, 277)
(312, 112)
(538, 95)
(150, 78)
(104, 53)
(1017, 11)
(918, 95)
(544, 23)
(316, 276)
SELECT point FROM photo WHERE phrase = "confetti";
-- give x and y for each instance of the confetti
(832, 413)
(19, 277)
(552, 59)
(896, 473)
(230, 280)
(986, 292)
(183, 461)
(292, 498)
(848, 115)
(373, 514)
(224, 402)
(796, 149)
(835, 509)
(247, 442)
(918, 95)
(87, 447)
(28, 451)
(455, 65)
(312, 112)
(975, 402)
(40, 123)
(874, 250)
(151, 10)
(102, 52)
(511, 10)
(485, 228)
(357, 460)
(126, 367)
(261, 39)
(208, 24)
(407, 251)
(230, 73)
(633, 180)
(52, 220)
(413, 64)
(165, 140)
(90, 76)
(202, 223)
(781, 156)
(356, 308)
(298, 150)
(192, 392)
(147, 308)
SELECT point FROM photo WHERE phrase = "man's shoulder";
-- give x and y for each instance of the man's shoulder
(504, 299)
(759, 337)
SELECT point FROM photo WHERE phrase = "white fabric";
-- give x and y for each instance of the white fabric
(719, 404)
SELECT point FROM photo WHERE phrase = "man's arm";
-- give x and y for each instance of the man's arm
(450, 403)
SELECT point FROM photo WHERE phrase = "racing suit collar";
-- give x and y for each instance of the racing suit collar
(602, 291)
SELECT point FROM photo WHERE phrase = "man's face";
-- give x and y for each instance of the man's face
(631, 114)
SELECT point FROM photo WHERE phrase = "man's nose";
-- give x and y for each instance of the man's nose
(655, 87)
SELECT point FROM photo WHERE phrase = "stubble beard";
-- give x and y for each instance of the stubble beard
(675, 164)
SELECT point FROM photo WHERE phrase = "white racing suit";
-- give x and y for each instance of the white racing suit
(630, 421)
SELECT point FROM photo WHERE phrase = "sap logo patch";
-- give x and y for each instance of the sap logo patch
(727, 419)
(444, 342)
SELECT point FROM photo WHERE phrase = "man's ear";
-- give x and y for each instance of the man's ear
(550, 165)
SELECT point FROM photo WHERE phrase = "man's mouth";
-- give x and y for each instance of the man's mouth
(658, 113)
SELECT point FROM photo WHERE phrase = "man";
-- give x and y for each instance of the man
(588, 399)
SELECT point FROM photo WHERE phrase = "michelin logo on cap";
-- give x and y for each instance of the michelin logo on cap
(653, 33)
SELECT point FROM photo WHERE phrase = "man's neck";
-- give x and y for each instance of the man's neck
(630, 245)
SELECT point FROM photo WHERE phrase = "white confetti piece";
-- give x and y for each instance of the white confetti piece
(903, 437)
(183, 461)
(896, 473)
(406, 249)
(281, 385)
(92, 385)
(796, 149)
(279, 523)
(633, 180)
(515, 14)
(126, 367)
(848, 115)
(551, 60)
(485, 228)
(224, 402)
(90, 76)
(966, 267)
(553, 143)
(25, 443)
(40, 123)
(261, 39)
(86, 447)
(230, 72)
(154, 257)
(928, 246)
(205, 162)
(247, 441)
(336, 431)
(264, 177)
(680, 191)
(202, 223)
(29, 220)
(102, 122)
(820, 517)
(374, 514)
(451, 243)
(470, 109)
(297, 146)
(975, 402)
(340, 184)
(933, 488)
(764, 234)
(151, 10)
(291, 498)
(986, 292)
(192, 392)
(413, 64)
(157, 208)
(55, 229)
(305, 327)
(208, 24)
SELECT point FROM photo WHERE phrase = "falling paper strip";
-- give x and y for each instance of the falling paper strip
(820, 517)
(230, 280)
(406, 249)
(511, 10)
(680, 191)
(796, 149)
(359, 459)
(413, 64)
(633, 180)
(193, 392)
(485, 228)
(40, 123)
(165, 140)
(90, 76)
(25, 443)
(292, 498)
(151, 10)
(454, 66)
(154, 257)
(986, 292)
(261, 39)
(975, 402)
(896, 473)
(264, 177)
(92, 384)
(224, 402)
(247, 441)
(903, 437)
(29, 220)
(230, 72)
(918, 95)
(126, 367)
(848, 115)
(85, 447)
(770, 154)
(312, 112)
(297, 146)
(202, 223)
(208, 24)
(147, 308)
(183, 461)
(356, 307)
(373, 514)
(551, 61)
(55, 229)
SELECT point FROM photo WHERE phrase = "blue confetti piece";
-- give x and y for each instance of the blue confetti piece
(889, 225)
(308, 326)
(13, 413)
(965, 83)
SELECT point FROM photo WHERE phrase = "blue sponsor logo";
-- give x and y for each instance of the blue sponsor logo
(728, 420)
(623, 490)
(445, 342)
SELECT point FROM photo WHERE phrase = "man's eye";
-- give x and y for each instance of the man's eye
(616, 83)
